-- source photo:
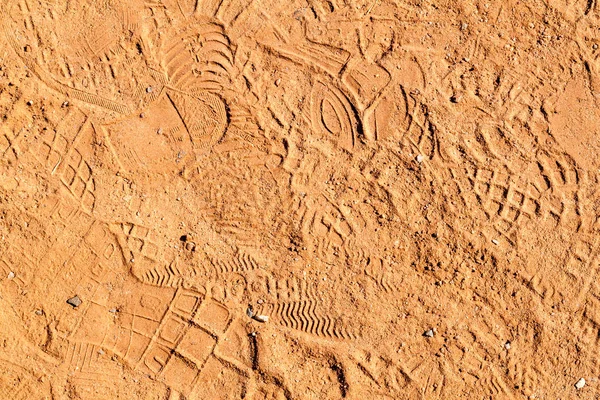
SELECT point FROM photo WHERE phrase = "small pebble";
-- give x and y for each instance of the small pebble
(580, 384)
(11, 275)
(429, 333)
(142, 115)
(420, 158)
(159, 131)
(113, 310)
(39, 312)
(74, 301)
(65, 104)
(261, 318)
(30, 103)
(149, 89)
(495, 241)
(507, 345)
(278, 82)
(250, 311)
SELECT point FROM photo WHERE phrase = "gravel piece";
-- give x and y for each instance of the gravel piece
(580, 384)
(261, 318)
(74, 301)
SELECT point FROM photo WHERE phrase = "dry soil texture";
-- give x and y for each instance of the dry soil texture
(299, 199)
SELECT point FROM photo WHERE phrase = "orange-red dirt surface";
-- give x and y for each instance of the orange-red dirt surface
(300, 199)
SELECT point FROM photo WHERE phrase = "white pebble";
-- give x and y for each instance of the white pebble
(261, 318)
(580, 384)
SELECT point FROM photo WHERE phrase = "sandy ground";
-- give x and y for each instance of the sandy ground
(302, 199)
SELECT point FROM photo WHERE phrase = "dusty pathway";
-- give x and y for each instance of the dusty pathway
(318, 199)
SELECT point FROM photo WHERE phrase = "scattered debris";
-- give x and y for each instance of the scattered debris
(429, 333)
(261, 318)
(74, 301)
(580, 384)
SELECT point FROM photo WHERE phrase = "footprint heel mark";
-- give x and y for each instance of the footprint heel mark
(333, 117)
(200, 59)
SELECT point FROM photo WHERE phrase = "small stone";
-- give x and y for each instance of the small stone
(260, 301)
(495, 242)
(74, 301)
(507, 345)
(159, 131)
(420, 158)
(30, 103)
(39, 312)
(149, 89)
(261, 318)
(11, 275)
(278, 82)
(113, 310)
(429, 333)
(250, 311)
(580, 384)
(142, 115)
(65, 104)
